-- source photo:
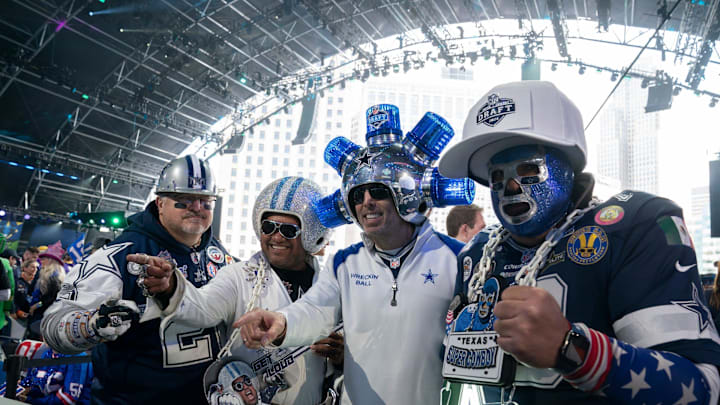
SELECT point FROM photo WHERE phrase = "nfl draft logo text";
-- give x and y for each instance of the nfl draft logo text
(377, 118)
(492, 112)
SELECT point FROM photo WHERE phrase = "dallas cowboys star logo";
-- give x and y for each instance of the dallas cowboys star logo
(103, 261)
(365, 158)
(697, 306)
(429, 276)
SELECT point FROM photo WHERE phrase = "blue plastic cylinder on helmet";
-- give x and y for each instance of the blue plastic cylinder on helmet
(330, 210)
(429, 137)
(382, 119)
(446, 191)
(339, 151)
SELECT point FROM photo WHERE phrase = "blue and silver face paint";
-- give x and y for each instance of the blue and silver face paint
(545, 180)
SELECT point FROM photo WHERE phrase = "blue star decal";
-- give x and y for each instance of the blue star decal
(429, 276)
(696, 305)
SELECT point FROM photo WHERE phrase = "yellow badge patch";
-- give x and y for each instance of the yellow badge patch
(587, 245)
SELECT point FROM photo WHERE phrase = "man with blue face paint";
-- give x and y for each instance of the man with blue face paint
(571, 300)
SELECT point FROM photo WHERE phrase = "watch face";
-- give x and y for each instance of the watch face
(572, 354)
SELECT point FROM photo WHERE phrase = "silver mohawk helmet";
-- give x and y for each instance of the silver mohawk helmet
(187, 175)
(294, 196)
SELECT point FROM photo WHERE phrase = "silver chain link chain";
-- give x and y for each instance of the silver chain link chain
(528, 273)
(260, 276)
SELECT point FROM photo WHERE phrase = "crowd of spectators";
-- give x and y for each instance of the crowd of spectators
(29, 284)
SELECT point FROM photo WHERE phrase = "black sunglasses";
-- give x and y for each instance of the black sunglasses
(288, 231)
(240, 382)
(183, 203)
(377, 192)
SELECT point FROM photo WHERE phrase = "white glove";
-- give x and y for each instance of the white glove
(225, 399)
(114, 318)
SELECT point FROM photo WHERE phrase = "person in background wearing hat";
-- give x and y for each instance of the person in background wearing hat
(604, 303)
(280, 273)
(14, 259)
(99, 304)
(50, 279)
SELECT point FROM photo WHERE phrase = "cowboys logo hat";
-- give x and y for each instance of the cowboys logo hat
(512, 114)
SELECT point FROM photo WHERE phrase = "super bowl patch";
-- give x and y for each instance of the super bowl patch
(215, 254)
(212, 269)
(492, 112)
(229, 259)
(195, 257)
(467, 267)
(587, 245)
(610, 215)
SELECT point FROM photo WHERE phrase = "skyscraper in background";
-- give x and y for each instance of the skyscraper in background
(627, 144)
(268, 154)
(698, 222)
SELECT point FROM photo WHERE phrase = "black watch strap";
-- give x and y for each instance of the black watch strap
(573, 351)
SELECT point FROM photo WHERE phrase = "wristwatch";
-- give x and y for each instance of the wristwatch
(572, 352)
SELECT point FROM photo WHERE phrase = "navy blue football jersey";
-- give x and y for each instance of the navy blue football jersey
(628, 269)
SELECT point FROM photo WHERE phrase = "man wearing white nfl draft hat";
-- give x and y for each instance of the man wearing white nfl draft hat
(571, 300)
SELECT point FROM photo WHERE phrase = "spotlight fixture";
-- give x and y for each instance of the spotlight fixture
(553, 67)
(613, 76)
(713, 102)
(581, 70)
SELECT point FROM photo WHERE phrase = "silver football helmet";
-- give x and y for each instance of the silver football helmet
(294, 196)
(187, 175)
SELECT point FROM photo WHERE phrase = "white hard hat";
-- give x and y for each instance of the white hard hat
(519, 113)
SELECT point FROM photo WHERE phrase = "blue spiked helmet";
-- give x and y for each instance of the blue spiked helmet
(403, 164)
(294, 196)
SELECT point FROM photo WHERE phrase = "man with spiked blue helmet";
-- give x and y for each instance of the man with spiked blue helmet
(102, 297)
(284, 269)
(391, 290)
(578, 301)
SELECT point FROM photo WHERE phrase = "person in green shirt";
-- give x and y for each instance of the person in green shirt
(7, 287)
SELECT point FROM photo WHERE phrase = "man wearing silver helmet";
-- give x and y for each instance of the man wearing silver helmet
(391, 290)
(571, 300)
(102, 297)
(281, 272)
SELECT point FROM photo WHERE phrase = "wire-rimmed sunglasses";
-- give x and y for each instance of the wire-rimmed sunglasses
(288, 231)
(377, 192)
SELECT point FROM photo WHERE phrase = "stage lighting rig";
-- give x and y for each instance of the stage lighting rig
(557, 16)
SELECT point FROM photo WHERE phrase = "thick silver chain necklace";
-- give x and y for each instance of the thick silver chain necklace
(528, 273)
